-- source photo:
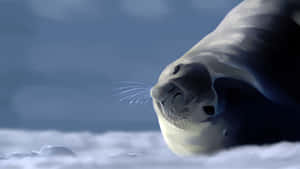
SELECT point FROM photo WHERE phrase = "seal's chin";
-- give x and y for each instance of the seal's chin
(179, 119)
(184, 115)
(185, 136)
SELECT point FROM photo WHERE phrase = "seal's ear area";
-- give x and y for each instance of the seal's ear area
(220, 68)
(238, 93)
(225, 70)
(229, 71)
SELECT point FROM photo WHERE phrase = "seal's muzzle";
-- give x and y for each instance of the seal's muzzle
(184, 91)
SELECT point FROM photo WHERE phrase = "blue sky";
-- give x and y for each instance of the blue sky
(61, 59)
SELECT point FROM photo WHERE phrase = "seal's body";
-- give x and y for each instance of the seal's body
(238, 85)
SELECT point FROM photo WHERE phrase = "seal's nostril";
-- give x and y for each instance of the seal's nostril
(209, 110)
(176, 69)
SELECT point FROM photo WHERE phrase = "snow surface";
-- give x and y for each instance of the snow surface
(126, 150)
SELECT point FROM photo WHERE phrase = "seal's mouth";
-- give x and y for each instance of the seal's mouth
(180, 106)
(181, 116)
(173, 107)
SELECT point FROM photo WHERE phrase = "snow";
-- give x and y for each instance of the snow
(114, 150)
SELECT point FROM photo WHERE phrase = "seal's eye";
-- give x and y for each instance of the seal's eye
(176, 69)
(209, 110)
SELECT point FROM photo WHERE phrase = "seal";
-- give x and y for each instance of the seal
(237, 86)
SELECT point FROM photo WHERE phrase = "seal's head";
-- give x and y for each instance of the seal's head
(242, 60)
(186, 106)
(184, 94)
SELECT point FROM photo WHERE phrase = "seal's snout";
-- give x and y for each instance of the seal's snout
(161, 92)
(185, 91)
(184, 81)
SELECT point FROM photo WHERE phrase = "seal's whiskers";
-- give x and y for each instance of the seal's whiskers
(134, 92)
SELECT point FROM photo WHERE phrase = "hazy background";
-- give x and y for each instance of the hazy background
(61, 59)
